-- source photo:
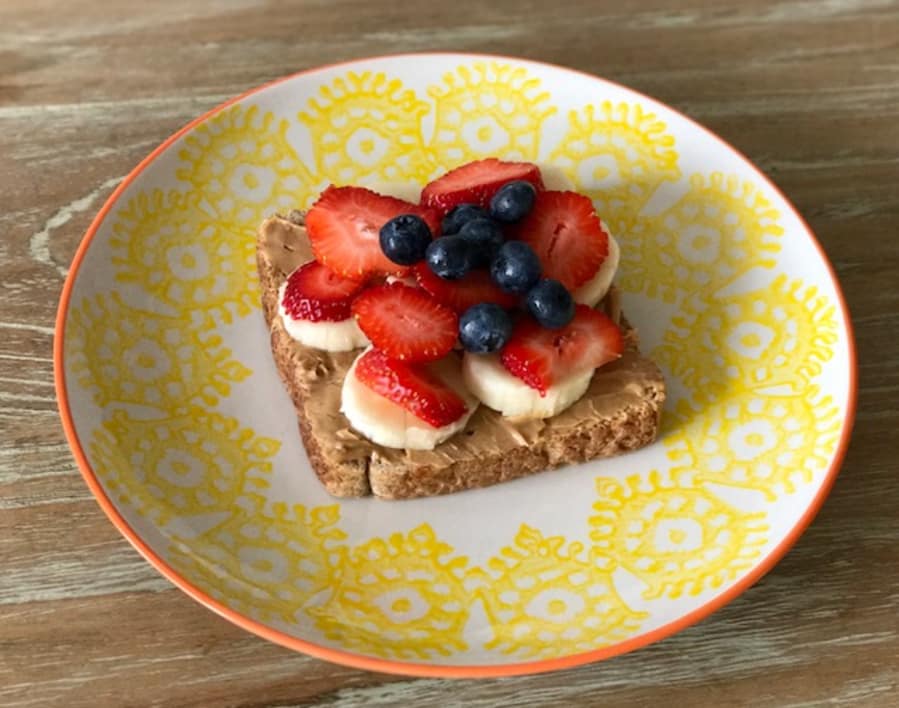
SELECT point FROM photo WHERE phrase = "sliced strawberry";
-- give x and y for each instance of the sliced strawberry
(316, 293)
(406, 323)
(565, 232)
(411, 386)
(476, 182)
(541, 357)
(461, 294)
(343, 227)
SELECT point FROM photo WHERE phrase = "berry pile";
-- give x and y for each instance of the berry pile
(486, 244)
(505, 242)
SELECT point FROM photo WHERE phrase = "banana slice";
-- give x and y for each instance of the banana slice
(554, 178)
(340, 336)
(408, 191)
(488, 379)
(595, 289)
(389, 424)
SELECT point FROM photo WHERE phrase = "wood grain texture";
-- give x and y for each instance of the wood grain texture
(809, 90)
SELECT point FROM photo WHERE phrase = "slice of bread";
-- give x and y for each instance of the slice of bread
(620, 411)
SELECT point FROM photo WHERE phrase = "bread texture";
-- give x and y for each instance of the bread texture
(621, 410)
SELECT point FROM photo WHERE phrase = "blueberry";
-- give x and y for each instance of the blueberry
(484, 328)
(550, 304)
(485, 237)
(515, 267)
(405, 238)
(449, 257)
(459, 216)
(513, 201)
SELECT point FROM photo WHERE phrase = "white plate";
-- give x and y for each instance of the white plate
(182, 429)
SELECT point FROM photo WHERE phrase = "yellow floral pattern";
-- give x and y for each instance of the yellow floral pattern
(545, 597)
(674, 535)
(618, 155)
(244, 167)
(767, 443)
(184, 258)
(401, 597)
(156, 353)
(720, 229)
(366, 129)
(486, 109)
(127, 355)
(776, 336)
(269, 564)
(199, 463)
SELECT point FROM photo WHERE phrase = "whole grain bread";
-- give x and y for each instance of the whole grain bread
(620, 412)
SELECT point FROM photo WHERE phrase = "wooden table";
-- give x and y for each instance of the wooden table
(809, 90)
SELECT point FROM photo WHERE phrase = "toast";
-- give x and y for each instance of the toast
(620, 411)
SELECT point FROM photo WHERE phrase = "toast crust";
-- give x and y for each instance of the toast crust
(620, 412)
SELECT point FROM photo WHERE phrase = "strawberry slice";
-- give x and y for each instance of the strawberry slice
(316, 293)
(343, 227)
(406, 323)
(541, 357)
(476, 182)
(565, 232)
(461, 294)
(411, 386)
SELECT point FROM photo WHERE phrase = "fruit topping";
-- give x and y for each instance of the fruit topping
(476, 183)
(484, 237)
(316, 294)
(550, 303)
(406, 323)
(515, 267)
(484, 328)
(411, 386)
(344, 227)
(460, 215)
(449, 257)
(513, 201)
(474, 288)
(565, 232)
(405, 238)
(541, 357)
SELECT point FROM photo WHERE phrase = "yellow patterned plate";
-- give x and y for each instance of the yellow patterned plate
(176, 416)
